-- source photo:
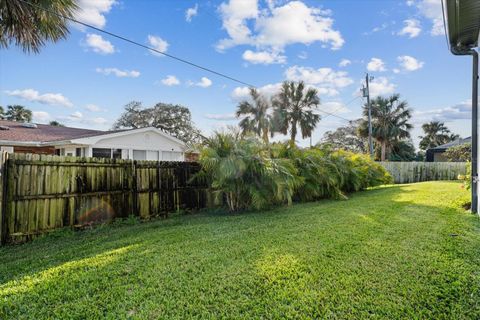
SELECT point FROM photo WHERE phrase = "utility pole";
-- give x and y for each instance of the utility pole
(366, 93)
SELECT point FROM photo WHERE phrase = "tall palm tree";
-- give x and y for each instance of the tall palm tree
(390, 124)
(436, 133)
(256, 117)
(31, 23)
(294, 108)
(18, 113)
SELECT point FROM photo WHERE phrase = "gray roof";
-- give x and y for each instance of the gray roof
(462, 23)
(454, 143)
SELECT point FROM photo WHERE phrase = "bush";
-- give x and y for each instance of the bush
(243, 175)
(246, 173)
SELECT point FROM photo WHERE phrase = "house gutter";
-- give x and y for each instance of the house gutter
(474, 171)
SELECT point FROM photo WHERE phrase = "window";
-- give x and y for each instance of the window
(172, 156)
(78, 152)
(139, 155)
(152, 155)
(117, 153)
(101, 153)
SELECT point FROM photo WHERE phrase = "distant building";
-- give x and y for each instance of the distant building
(437, 154)
(138, 144)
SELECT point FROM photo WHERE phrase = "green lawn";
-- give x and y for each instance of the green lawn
(397, 252)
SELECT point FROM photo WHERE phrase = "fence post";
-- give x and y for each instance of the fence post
(3, 171)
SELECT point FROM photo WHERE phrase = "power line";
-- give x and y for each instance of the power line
(140, 45)
(157, 51)
(333, 112)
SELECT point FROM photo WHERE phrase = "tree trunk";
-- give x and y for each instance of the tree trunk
(265, 135)
(384, 150)
(293, 133)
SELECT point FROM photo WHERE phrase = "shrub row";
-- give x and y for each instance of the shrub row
(245, 173)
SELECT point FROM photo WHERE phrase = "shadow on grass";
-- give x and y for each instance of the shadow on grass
(384, 249)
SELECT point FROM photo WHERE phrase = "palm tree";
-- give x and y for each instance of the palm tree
(436, 133)
(256, 115)
(18, 113)
(294, 107)
(31, 23)
(2, 113)
(390, 118)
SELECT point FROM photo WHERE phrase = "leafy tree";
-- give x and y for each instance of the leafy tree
(390, 124)
(402, 150)
(256, 117)
(18, 113)
(346, 138)
(460, 153)
(436, 134)
(2, 112)
(32, 23)
(55, 123)
(174, 119)
(294, 108)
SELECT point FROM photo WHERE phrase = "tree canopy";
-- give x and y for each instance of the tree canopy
(175, 120)
(32, 23)
(346, 138)
(390, 122)
(436, 134)
(18, 113)
(295, 107)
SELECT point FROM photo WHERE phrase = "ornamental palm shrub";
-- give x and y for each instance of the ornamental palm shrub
(320, 176)
(242, 173)
(359, 171)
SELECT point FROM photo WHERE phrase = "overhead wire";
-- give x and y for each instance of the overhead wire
(182, 60)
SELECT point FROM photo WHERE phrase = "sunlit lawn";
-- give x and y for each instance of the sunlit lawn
(395, 252)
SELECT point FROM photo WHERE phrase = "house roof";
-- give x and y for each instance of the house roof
(17, 131)
(12, 133)
(462, 23)
(454, 143)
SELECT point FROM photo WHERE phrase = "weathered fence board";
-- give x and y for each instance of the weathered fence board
(408, 172)
(43, 192)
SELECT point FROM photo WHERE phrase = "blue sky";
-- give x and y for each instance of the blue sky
(86, 80)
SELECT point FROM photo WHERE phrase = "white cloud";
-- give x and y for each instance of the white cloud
(263, 57)
(170, 81)
(46, 98)
(381, 86)
(326, 77)
(276, 26)
(411, 28)
(158, 44)
(191, 12)
(93, 11)
(344, 63)
(376, 64)
(409, 63)
(99, 45)
(243, 93)
(40, 116)
(204, 83)
(99, 120)
(334, 107)
(76, 115)
(432, 10)
(460, 111)
(303, 55)
(119, 73)
(221, 117)
(93, 108)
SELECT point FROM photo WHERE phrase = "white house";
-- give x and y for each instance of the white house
(138, 144)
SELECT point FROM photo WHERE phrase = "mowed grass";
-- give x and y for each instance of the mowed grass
(403, 251)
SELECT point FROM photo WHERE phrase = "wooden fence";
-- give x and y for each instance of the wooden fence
(407, 172)
(42, 192)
